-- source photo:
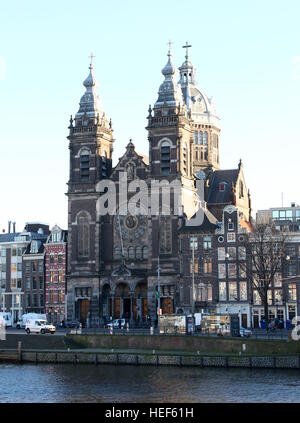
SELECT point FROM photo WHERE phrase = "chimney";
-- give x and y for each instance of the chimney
(14, 227)
(9, 226)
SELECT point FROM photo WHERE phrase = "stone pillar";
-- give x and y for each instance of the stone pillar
(152, 312)
(131, 306)
(121, 307)
(70, 306)
(112, 305)
(140, 310)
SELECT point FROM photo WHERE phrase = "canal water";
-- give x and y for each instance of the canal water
(107, 383)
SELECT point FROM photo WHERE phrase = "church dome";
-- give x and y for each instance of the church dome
(201, 107)
(90, 103)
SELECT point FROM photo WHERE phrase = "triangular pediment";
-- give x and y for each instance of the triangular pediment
(131, 162)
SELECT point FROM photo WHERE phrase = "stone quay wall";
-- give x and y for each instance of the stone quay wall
(154, 359)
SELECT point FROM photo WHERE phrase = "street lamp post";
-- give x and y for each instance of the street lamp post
(193, 277)
(158, 296)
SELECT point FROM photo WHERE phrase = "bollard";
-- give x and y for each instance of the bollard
(244, 347)
(111, 330)
(20, 350)
(151, 330)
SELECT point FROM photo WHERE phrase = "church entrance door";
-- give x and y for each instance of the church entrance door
(126, 308)
(117, 309)
(84, 307)
(144, 308)
(167, 306)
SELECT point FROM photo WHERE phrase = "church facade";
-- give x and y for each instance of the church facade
(116, 261)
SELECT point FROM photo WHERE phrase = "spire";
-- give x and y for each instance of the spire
(169, 93)
(187, 71)
(169, 69)
(90, 103)
(187, 46)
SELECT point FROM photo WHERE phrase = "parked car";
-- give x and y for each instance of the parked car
(245, 332)
(74, 324)
(117, 323)
(39, 326)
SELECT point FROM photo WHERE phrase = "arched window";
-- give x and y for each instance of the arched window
(184, 159)
(145, 253)
(165, 157)
(84, 165)
(138, 253)
(131, 253)
(196, 137)
(201, 138)
(104, 165)
(117, 253)
(83, 235)
(205, 138)
(209, 293)
(241, 190)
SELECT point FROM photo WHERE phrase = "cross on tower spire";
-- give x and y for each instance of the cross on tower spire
(91, 56)
(170, 46)
(187, 46)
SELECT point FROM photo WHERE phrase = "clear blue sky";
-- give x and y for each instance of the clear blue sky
(247, 55)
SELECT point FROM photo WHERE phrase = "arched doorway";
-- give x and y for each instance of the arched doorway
(122, 305)
(140, 302)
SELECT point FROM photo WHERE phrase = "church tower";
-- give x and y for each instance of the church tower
(91, 146)
(205, 122)
(170, 136)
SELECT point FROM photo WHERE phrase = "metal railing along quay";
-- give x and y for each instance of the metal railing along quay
(256, 333)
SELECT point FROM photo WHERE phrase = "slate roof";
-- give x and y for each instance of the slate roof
(214, 195)
(40, 249)
(209, 224)
(8, 237)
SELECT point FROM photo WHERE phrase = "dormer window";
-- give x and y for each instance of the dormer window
(34, 247)
(56, 237)
(231, 226)
(222, 186)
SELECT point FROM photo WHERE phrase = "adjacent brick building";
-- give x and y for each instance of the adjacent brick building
(55, 275)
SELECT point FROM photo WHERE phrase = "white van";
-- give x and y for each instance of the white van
(27, 316)
(7, 318)
(39, 326)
